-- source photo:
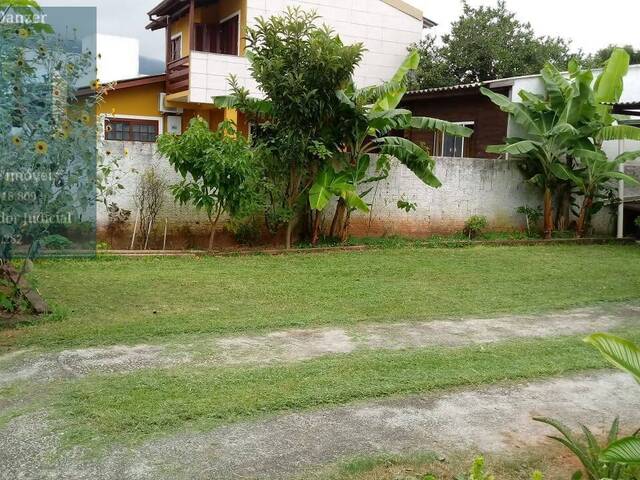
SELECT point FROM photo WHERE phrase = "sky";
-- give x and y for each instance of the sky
(589, 24)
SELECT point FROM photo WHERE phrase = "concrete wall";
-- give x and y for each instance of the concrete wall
(471, 186)
(493, 188)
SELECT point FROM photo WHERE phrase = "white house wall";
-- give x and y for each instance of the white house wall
(385, 31)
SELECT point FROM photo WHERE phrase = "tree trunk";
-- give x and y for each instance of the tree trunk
(338, 219)
(548, 213)
(290, 226)
(563, 215)
(344, 235)
(31, 295)
(581, 226)
(315, 233)
(214, 226)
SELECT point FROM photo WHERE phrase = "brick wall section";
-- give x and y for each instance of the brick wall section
(490, 123)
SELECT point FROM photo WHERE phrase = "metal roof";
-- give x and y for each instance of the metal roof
(452, 88)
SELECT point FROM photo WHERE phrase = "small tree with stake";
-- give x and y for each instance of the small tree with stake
(217, 169)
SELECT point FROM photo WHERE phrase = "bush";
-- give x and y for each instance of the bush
(474, 226)
(245, 231)
(532, 215)
(57, 242)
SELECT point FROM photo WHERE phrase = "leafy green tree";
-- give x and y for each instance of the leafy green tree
(298, 67)
(47, 147)
(434, 70)
(598, 59)
(366, 125)
(486, 43)
(217, 168)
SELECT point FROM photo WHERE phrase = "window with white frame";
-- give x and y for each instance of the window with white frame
(446, 145)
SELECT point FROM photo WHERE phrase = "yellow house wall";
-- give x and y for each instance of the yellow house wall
(142, 101)
(211, 14)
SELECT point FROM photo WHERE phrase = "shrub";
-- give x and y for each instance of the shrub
(57, 242)
(246, 231)
(474, 226)
(532, 215)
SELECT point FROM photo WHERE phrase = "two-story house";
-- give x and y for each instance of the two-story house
(204, 45)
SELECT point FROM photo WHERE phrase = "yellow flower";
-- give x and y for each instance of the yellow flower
(86, 118)
(42, 148)
(42, 50)
(20, 62)
(126, 152)
(23, 33)
(17, 141)
(95, 84)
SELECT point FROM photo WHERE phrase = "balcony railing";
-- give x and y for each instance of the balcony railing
(178, 75)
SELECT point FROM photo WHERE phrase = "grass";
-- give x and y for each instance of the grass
(126, 301)
(138, 406)
(419, 466)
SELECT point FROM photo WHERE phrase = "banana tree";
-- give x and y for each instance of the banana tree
(625, 355)
(596, 173)
(368, 119)
(548, 139)
(574, 114)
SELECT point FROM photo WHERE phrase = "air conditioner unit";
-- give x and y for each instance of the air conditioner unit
(163, 105)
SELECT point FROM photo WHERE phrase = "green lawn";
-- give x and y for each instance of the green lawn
(113, 300)
(138, 406)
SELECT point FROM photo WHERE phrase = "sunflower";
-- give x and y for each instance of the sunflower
(95, 84)
(56, 92)
(20, 62)
(23, 33)
(42, 50)
(41, 147)
(86, 118)
(16, 140)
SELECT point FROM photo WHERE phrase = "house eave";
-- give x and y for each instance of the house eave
(404, 7)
